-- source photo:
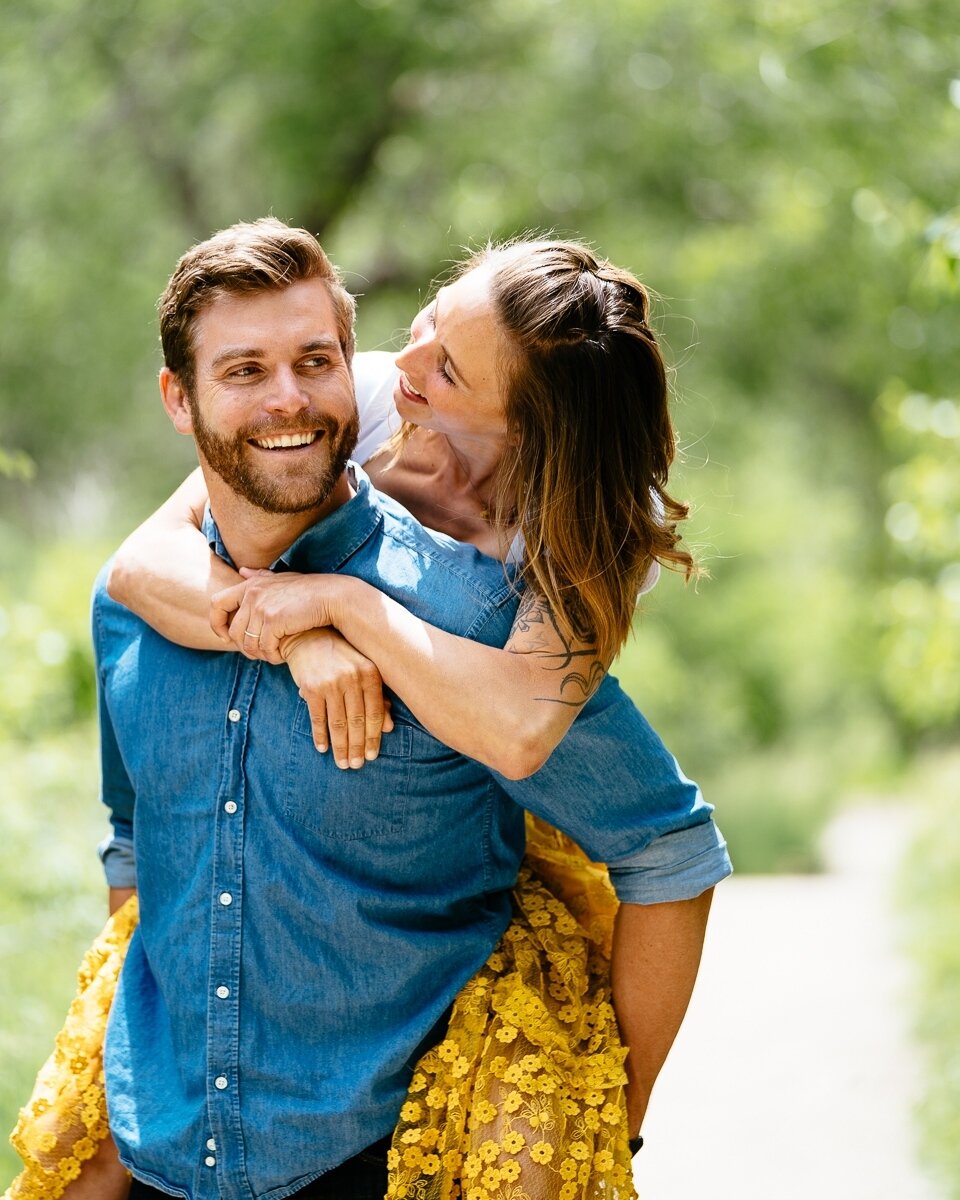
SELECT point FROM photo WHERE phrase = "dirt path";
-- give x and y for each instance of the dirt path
(794, 1076)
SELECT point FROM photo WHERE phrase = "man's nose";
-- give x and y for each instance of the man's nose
(288, 394)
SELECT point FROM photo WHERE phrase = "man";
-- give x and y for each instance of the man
(304, 930)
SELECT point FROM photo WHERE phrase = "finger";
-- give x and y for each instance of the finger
(245, 629)
(317, 707)
(337, 726)
(373, 714)
(269, 644)
(222, 607)
(354, 701)
(388, 725)
(250, 572)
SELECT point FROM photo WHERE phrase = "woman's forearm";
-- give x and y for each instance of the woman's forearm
(500, 707)
(166, 574)
(656, 956)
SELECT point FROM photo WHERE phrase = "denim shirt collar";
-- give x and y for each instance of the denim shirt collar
(326, 546)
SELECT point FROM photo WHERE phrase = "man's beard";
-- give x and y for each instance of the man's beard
(232, 459)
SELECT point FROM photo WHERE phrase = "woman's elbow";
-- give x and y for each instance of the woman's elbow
(521, 756)
(118, 580)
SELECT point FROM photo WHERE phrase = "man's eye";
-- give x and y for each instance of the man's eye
(316, 360)
(244, 372)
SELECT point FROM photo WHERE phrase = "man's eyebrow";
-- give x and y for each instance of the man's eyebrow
(450, 362)
(321, 343)
(231, 352)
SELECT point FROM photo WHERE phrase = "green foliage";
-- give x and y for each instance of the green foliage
(783, 172)
(46, 662)
(932, 896)
(52, 902)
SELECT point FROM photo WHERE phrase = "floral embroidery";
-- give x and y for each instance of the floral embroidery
(65, 1120)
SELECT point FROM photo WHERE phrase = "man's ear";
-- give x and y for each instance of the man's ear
(175, 401)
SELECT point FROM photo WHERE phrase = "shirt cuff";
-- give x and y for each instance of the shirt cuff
(674, 866)
(119, 864)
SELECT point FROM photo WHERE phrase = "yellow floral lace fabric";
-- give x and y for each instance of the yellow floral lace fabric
(523, 1099)
(65, 1119)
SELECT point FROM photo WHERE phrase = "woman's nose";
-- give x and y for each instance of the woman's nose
(415, 354)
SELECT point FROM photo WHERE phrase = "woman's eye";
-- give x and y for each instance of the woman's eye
(445, 373)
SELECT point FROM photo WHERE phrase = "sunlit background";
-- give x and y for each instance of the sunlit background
(782, 173)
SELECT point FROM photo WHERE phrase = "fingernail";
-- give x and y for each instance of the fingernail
(356, 762)
(369, 755)
(342, 764)
(321, 749)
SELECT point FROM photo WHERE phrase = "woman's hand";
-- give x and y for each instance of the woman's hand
(344, 693)
(265, 608)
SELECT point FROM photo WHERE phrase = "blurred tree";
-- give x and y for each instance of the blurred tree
(762, 165)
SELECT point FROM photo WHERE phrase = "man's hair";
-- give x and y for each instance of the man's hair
(258, 256)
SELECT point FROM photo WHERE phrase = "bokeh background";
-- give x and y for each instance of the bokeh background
(783, 173)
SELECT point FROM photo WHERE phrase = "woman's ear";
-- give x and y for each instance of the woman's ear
(175, 401)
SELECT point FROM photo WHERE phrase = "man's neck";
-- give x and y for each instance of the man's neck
(255, 538)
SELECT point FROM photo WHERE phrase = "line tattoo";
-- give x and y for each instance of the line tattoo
(545, 639)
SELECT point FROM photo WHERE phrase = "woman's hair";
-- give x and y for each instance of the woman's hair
(589, 441)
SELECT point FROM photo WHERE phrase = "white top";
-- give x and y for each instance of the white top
(375, 376)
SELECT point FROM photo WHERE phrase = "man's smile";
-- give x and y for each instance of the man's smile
(285, 441)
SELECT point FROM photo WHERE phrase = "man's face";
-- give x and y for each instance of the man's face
(273, 409)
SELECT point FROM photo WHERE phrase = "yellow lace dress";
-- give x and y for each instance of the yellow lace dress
(522, 1100)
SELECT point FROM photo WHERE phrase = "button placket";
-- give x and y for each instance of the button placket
(223, 1006)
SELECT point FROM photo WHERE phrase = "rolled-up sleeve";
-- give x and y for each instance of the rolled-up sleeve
(614, 787)
(676, 866)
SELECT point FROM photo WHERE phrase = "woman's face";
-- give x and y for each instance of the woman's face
(449, 378)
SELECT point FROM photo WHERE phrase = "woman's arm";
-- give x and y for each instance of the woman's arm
(166, 574)
(509, 708)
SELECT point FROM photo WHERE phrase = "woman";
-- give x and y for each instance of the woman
(536, 427)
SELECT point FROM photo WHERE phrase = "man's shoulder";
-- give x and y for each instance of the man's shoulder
(492, 580)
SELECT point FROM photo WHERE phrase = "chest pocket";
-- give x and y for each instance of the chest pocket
(346, 805)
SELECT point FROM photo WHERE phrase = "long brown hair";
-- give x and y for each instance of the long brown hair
(590, 440)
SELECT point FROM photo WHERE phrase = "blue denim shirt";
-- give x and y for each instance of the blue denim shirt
(303, 929)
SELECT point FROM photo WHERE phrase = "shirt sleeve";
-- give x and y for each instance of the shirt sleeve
(614, 787)
(374, 377)
(116, 791)
(675, 866)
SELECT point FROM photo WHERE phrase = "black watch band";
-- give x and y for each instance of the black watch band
(636, 1144)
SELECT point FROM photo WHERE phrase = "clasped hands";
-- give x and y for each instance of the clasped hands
(288, 619)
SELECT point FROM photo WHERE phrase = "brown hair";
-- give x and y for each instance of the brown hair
(264, 255)
(589, 434)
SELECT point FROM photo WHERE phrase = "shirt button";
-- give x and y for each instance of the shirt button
(223, 992)
(211, 1144)
(226, 899)
(220, 1082)
(233, 715)
(210, 1161)
(231, 806)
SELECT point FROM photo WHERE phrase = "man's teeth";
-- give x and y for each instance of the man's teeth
(286, 439)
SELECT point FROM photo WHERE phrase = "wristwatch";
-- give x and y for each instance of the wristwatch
(635, 1144)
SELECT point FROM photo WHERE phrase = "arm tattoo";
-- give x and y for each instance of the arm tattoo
(535, 618)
